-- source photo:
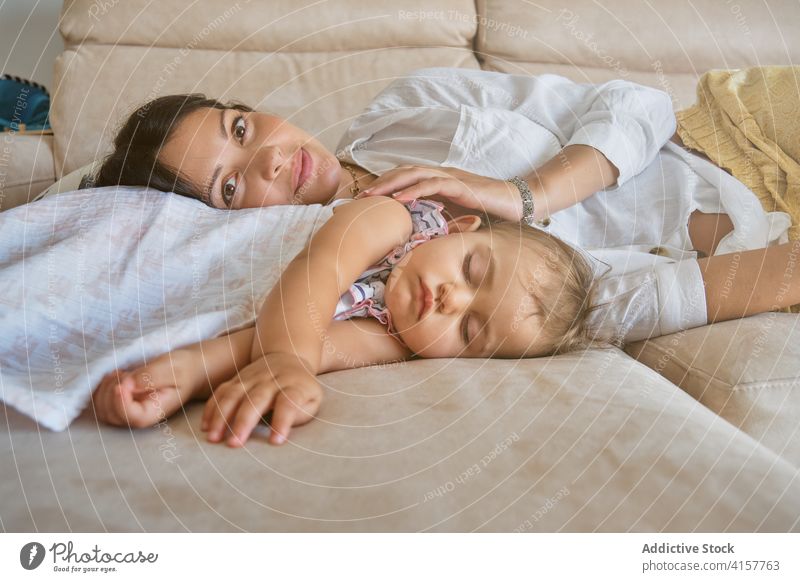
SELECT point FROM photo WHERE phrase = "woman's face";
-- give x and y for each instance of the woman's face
(462, 295)
(247, 160)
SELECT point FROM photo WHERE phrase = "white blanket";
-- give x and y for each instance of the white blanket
(101, 279)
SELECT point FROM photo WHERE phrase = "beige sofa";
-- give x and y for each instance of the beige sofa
(692, 432)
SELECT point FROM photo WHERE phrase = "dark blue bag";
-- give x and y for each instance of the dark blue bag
(24, 105)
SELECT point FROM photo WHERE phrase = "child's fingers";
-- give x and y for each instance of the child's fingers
(141, 381)
(106, 399)
(108, 381)
(100, 400)
(282, 419)
(249, 414)
(207, 412)
(132, 412)
(224, 404)
(293, 406)
(211, 408)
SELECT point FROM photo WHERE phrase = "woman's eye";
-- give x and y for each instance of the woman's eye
(228, 191)
(239, 128)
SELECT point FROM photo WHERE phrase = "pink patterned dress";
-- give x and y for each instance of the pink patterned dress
(365, 298)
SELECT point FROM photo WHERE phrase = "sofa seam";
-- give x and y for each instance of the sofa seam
(687, 367)
(766, 384)
(734, 387)
(468, 46)
(580, 65)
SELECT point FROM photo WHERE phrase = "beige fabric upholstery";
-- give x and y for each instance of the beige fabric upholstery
(681, 36)
(747, 371)
(585, 442)
(26, 167)
(593, 441)
(315, 65)
(288, 26)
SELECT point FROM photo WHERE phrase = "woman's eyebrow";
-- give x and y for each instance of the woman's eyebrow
(209, 189)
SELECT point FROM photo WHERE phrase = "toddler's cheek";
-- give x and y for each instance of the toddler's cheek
(422, 343)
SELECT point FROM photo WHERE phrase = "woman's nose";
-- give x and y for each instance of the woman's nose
(453, 299)
(268, 162)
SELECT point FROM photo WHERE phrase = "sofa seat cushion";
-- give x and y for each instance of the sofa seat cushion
(586, 442)
(747, 371)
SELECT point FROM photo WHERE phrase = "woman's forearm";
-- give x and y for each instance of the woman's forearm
(574, 174)
(750, 282)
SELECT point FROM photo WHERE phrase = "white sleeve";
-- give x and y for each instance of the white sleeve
(625, 121)
(646, 303)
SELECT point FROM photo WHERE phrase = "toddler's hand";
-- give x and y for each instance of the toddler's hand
(277, 382)
(146, 395)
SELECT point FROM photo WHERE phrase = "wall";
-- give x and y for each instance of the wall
(29, 38)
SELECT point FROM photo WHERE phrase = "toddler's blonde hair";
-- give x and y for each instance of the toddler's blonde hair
(564, 296)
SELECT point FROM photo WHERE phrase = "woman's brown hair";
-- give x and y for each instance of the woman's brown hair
(134, 159)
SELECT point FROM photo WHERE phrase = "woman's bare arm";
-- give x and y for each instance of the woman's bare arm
(571, 176)
(750, 282)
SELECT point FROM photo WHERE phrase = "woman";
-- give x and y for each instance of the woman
(594, 165)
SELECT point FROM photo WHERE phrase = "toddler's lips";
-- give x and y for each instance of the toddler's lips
(425, 300)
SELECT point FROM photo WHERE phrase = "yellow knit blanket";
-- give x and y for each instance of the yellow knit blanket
(748, 122)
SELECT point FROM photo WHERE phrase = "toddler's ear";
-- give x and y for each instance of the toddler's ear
(466, 223)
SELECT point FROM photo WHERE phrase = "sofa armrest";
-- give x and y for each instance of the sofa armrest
(27, 167)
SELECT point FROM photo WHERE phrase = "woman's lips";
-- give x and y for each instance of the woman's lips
(306, 167)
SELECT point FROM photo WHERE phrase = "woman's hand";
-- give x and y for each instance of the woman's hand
(277, 382)
(489, 195)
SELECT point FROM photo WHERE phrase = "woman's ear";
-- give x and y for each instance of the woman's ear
(465, 223)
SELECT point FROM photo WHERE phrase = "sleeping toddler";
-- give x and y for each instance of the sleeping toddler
(383, 282)
(380, 282)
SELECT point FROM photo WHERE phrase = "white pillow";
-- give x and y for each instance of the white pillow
(128, 274)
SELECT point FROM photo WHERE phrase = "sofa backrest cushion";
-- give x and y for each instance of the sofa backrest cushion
(316, 64)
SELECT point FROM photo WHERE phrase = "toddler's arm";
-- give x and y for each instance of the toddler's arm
(295, 322)
(146, 395)
(301, 306)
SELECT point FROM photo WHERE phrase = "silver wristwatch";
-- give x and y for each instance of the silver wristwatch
(527, 200)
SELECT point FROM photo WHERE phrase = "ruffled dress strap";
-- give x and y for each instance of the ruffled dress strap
(365, 298)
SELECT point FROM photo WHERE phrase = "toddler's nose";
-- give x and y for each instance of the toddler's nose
(452, 299)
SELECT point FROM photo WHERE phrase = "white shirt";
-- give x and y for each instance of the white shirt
(500, 125)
